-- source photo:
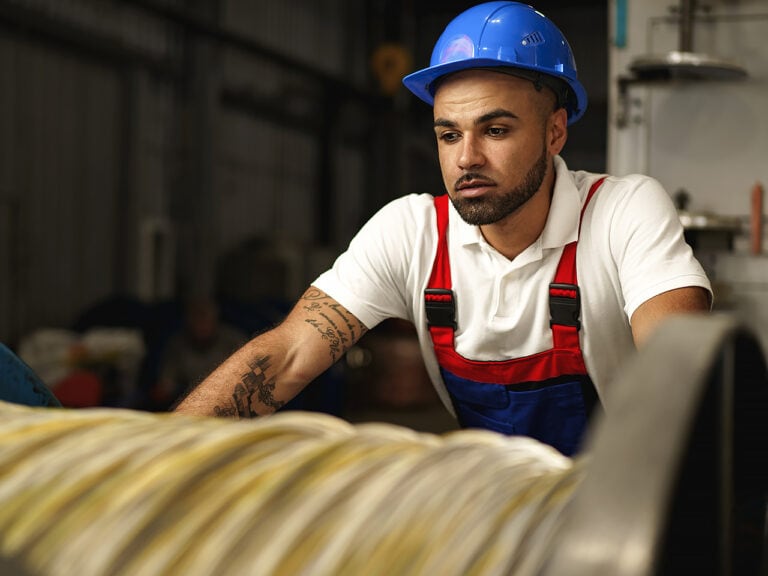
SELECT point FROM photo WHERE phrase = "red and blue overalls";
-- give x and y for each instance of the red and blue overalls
(549, 395)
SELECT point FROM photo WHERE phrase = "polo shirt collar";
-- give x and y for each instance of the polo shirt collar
(562, 224)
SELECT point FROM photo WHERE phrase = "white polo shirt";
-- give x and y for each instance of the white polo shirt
(631, 249)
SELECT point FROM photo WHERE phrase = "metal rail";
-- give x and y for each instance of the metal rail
(677, 483)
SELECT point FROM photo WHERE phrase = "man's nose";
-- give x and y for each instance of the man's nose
(471, 155)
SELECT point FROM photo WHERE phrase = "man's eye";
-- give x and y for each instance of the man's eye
(449, 136)
(496, 131)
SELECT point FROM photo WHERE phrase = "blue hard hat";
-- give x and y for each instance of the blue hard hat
(508, 34)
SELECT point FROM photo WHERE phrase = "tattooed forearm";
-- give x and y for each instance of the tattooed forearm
(313, 294)
(342, 337)
(254, 385)
(345, 317)
(329, 335)
(224, 411)
(336, 326)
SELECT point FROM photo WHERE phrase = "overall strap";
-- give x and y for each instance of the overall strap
(564, 296)
(441, 269)
(439, 300)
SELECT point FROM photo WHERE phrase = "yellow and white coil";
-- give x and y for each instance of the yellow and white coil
(106, 491)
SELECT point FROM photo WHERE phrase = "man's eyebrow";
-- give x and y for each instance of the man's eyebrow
(487, 117)
(445, 123)
(493, 115)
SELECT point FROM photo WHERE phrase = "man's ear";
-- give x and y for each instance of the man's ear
(557, 131)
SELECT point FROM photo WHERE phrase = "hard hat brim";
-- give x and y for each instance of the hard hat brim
(422, 82)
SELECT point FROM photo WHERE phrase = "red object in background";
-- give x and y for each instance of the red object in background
(80, 389)
(757, 219)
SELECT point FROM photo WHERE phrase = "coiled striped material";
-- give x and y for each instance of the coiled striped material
(105, 491)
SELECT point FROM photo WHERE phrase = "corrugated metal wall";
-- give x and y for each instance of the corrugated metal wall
(126, 169)
(59, 171)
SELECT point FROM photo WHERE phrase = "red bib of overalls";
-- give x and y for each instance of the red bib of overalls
(547, 395)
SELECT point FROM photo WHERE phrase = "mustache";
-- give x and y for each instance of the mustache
(472, 178)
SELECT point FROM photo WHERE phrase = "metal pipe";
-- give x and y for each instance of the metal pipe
(684, 63)
(196, 25)
(687, 8)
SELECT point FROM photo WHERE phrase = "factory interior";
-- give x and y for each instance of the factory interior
(174, 174)
(157, 152)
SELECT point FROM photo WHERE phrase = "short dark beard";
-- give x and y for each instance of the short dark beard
(493, 208)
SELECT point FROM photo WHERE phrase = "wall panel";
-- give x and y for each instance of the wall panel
(60, 161)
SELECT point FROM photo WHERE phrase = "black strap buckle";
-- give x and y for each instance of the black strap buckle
(440, 307)
(564, 305)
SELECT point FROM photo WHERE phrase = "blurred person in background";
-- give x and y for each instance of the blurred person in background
(196, 350)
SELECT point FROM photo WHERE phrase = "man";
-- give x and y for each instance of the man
(528, 289)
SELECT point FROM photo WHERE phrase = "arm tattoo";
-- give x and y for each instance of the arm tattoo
(334, 324)
(313, 294)
(330, 335)
(338, 310)
(254, 383)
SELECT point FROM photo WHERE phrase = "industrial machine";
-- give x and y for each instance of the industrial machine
(678, 481)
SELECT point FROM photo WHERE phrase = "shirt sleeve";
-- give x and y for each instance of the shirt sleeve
(370, 278)
(648, 245)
